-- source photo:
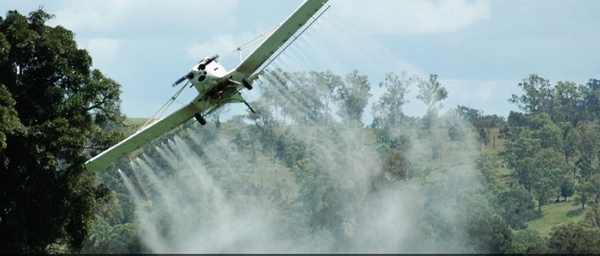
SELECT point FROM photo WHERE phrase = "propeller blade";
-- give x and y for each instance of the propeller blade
(212, 59)
(208, 61)
(188, 76)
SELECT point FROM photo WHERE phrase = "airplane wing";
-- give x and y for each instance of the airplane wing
(278, 38)
(141, 137)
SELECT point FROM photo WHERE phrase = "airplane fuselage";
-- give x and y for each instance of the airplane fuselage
(206, 76)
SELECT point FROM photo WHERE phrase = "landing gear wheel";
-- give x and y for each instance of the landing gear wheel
(246, 83)
(200, 119)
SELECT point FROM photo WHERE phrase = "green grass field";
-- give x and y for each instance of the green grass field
(555, 215)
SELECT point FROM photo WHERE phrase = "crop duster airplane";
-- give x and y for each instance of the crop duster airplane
(216, 86)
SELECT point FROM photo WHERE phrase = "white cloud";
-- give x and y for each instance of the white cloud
(412, 16)
(92, 15)
(152, 17)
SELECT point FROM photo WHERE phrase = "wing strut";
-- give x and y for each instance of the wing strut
(164, 108)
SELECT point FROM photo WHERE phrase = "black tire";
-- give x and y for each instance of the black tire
(246, 83)
(200, 119)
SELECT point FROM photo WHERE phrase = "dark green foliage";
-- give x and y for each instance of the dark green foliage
(516, 206)
(591, 218)
(575, 239)
(490, 235)
(585, 167)
(51, 104)
(517, 119)
(592, 99)
(595, 190)
(585, 192)
(567, 187)
(529, 242)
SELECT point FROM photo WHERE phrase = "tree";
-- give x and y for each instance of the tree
(517, 119)
(591, 218)
(456, 132)
(572, 140)
(308, 94)
(490, 235)
(431, 92)
(570, 100)
(468, 114)
(592, 99)
(538, 95)
(389, 107)
(518, 154)
(545, 175)
(567, 187)
(584, 193)
(353, 98)
(585, 167)
(277, 92)
(9, 123)
(595, 188)
(529, 242)
(328, 82)
(48, 197)
(575, 239)
(590, 145)
(548, 133)
(516, 206)
(488, 164)
(483, 127)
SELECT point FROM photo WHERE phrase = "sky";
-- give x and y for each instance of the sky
(479, 49)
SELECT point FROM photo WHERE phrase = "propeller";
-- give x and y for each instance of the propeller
(202, 66)
(189, 75)
(208, 61)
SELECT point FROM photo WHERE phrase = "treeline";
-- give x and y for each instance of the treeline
(552, 150)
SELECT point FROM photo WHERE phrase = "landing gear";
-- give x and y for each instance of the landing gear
(200, 119)
(246, 83)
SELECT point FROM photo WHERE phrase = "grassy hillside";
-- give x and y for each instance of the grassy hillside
(555, 215)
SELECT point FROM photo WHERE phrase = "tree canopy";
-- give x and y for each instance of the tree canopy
(53, 109)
